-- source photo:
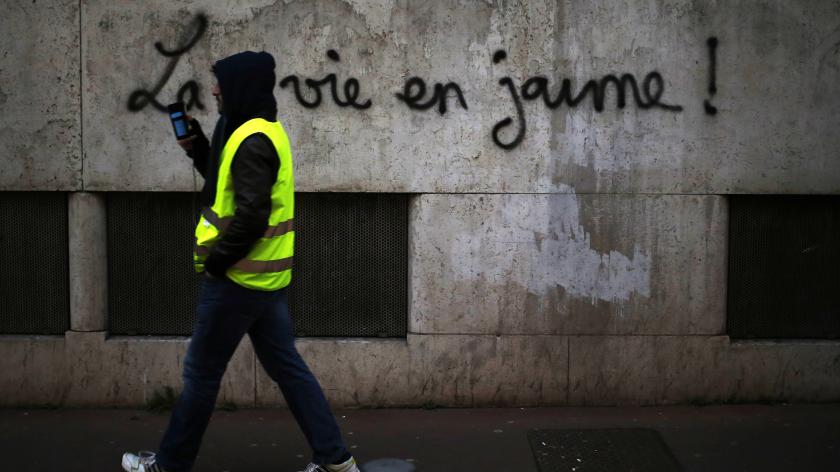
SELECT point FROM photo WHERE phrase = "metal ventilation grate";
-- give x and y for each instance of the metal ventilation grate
(349, 277)
(34, 292)
(152, 286)
(784, 267)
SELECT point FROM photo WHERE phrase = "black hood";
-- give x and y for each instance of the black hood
(246, 81)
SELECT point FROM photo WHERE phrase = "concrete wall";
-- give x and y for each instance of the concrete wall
(777, 83)
(40, 96)
(584, 263)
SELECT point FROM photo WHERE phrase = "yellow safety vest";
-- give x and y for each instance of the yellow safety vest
(268, 266)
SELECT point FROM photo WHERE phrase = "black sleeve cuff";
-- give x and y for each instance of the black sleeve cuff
(216, 265)
(201, 144)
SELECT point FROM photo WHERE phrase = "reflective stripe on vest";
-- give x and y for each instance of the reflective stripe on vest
(268, 264)
(270, 232)
(222, 223)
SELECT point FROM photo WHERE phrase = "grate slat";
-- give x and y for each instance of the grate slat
(34, 285)
(351, 255)
(152, 286)
(349, 278)
(784, 267)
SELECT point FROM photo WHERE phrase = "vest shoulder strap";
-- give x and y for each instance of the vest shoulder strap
(255, 125)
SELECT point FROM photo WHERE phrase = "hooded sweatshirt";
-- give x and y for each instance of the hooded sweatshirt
(246, 81)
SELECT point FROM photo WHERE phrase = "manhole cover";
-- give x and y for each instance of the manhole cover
(388, 465)
(601, 450)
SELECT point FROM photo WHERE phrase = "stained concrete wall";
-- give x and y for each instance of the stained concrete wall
(584, 265)
(91, 369)
(777, 86)
(568, 264)
(40, 101)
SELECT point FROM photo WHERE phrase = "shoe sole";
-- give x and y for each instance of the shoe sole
(126, 465)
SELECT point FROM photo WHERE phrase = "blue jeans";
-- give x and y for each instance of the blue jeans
(226, 311)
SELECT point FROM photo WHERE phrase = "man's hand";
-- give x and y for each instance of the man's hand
(187, 143)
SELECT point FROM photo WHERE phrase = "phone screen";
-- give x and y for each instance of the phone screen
(178, 116)
(180, 123)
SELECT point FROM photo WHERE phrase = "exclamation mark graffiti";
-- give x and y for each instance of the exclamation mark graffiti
(712, 43)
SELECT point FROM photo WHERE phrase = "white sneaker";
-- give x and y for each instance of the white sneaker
(144, 461)
(348, 466)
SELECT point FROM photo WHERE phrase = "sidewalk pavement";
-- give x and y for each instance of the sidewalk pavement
(708, 438)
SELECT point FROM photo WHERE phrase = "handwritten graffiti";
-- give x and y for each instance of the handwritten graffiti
(649, 96)
(140, 98)
(712, 43)
(498, 57)
(417, 95)
(415, 90)
(351, 88)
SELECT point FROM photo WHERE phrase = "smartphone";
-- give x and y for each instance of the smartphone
(178, 115)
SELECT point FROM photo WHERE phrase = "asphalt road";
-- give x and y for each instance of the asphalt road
(710, 438)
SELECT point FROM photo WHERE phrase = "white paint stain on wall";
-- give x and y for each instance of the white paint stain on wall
(538, 241)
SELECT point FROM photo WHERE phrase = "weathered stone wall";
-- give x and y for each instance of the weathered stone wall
(40, 101)
(557, 256)
(776, 79)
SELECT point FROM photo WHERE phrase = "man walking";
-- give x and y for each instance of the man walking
(244, 247)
